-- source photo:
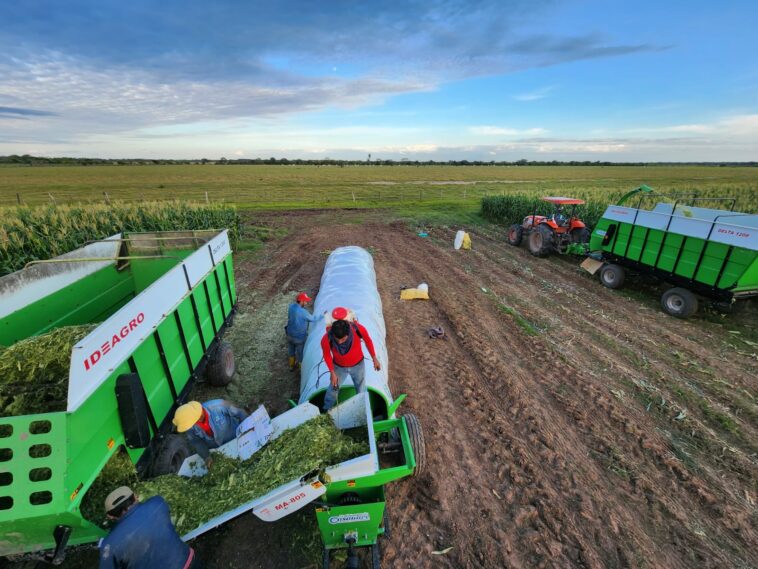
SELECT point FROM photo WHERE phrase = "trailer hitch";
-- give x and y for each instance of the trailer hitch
(61, 534)
(352, 556)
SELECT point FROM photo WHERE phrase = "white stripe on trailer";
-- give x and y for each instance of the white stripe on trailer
(29, 285)
(98, 354)
(737, 235)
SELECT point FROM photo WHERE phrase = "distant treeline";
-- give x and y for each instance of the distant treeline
(27, 160)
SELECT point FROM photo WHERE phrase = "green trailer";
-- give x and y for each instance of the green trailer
(161, 302)
(711, 253)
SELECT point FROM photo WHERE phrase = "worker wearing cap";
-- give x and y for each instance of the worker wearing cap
(143, 536)
(208, 425)
(297, 328)
(343, 354)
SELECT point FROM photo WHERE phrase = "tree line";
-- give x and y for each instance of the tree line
(28, 160)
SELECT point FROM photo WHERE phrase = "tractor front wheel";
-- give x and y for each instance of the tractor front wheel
(612, 276)
(417, 442)
(515, 234)
(679, 302)
(581, 235)
(541, 241)
(170, 456)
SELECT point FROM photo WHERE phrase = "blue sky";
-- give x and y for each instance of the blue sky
(499, 80)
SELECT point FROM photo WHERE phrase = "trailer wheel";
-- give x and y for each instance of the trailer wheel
(612, 276)
(221, 368)
(679, 302)
(170, 456)
(417, 442)
(515, 234)
(541, 241)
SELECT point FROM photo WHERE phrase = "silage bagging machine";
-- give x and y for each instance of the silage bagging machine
(161, 302)
(349, 497)
(712, 253)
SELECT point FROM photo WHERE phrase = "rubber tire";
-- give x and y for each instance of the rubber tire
(612, 276)
(581, 235)
(541, 241)
(170, 456)
(376, 557)
(221, 367)
(679, 302)
(515, 235)
(418, 445)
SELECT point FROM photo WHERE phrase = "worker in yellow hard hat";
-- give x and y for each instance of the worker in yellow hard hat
(208, 425)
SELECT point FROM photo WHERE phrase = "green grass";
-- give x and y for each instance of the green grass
(289, 187)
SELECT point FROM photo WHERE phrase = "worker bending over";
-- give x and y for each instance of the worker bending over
(297, 329)
(209, 425)
(343, 354)
(143, 536)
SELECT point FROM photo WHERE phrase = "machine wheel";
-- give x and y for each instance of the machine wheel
(581, 235)
(221, 368)
(417, 442)
(612, 276)
(170, 456)
(376, 557)
(515, 234)
(679, 302)
(541, 241)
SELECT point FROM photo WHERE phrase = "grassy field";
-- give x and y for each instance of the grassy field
(358, 186)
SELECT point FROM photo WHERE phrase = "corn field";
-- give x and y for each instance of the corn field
(35, 233)
(513, 209)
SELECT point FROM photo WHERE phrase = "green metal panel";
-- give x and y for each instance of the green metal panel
(154, 381)
(713, 260)
(670, 252)
(191, 331)
(230, 274)
(204, 314)
(637, 242)
(214, 295)
(749, 279)
(689, 257)
(172, 340)
(363, 519)
(91, 299)
(226, 290)
(623, 234)
(741, 267)
(652, 247)
(147, 271)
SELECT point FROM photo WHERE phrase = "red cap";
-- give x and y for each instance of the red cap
(339, 313)
(302, 297)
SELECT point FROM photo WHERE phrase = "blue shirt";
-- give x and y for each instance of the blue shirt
(297, 321)
(224, 418)
(144, 538)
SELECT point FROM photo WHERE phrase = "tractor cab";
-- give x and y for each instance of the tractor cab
(556, 232)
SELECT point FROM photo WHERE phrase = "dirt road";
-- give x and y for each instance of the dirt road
(566, 425)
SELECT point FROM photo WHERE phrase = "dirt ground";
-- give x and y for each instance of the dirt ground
(566, 424)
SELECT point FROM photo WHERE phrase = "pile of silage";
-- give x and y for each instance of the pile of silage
(34, 371)
(314, 445)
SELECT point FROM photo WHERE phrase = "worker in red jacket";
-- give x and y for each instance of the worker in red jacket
(343, 354)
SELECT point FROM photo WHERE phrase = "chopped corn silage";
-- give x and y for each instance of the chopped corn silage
(314, 445)
(34, 371)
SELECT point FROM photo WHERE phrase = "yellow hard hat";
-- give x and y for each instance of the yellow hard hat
(187, 415)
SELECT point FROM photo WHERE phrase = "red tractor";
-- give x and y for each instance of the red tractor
(555, 233)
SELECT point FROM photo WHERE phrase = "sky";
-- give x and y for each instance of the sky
(447, 80)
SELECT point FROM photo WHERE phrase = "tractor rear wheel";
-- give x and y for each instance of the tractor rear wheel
(515, 234)
(221, 367)
(612, 276)
(581, 235)
(679, 302)
(541, 241)
(417, 442)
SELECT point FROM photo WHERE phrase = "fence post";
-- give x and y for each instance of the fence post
(206, 198)
(52, 198)
(464, 193)
(107, 198)
(353, 196)
(18, 197)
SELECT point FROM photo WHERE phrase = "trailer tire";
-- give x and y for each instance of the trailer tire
(541, 241)
(221, 367)
(417, 443)
(679, 302)
(612, 276)
(515, 235)
(376, 557)
(170, 456)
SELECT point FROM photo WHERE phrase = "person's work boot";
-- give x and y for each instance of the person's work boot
(292, 363)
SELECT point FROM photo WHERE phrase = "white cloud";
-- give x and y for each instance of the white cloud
(504, 131)
(534, 95)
